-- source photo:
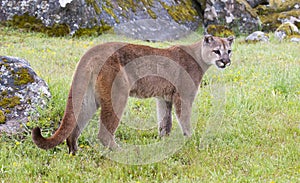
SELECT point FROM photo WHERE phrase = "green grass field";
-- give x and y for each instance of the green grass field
(247, 124)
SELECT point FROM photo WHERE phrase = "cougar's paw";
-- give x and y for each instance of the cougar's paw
(163, 132)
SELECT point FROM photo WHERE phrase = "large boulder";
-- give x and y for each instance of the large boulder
(153, 30)
(278, 12)
(236, 14)
(287, 30)
(22, 92)
(62, 17)
(257, 36)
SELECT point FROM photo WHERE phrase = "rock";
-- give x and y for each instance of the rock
(63, 3)
(219, 30)
(257, 36)
(153, 30)
(22, 92)
(255, 3)
(236, 14)
(278, 12)
(295, 39)
(71, 16)
(286, 29)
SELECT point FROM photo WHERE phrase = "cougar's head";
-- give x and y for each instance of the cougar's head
(217, 51)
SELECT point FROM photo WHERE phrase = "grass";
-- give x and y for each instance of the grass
(247, 124)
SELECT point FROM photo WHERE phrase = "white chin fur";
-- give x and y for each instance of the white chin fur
(220, 64)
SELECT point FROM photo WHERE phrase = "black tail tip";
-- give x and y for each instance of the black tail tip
(36, 132)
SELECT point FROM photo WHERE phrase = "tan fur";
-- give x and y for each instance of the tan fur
(107, 74)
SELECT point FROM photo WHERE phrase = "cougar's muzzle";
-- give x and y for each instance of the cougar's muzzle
(222, 63)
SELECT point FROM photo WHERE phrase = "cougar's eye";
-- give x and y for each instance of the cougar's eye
(229, 51)
(217, 52)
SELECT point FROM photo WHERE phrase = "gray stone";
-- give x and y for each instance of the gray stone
(153, 30)
(87, 14)
(22, 92)
(236, 14)
(257, 36)
(255, 3)
(295, 39)
(286, 29)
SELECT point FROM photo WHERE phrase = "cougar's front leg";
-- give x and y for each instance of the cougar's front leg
(183, 110)
(111, 112)
(164, 116)
(109, 123)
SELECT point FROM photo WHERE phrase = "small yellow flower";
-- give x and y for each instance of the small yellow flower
(15, 164)
(81, 146)
(18, 143)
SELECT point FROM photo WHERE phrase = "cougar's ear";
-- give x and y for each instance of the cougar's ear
(208, 39)
(230, 39)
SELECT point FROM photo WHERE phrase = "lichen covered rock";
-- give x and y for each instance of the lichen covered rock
(22, 92)
(279, 12)
(238, 15)
(153, 30)
(286, 30)
(219, 30)
(295, 39)
(255, 3)
(257, 36)
(59, 18)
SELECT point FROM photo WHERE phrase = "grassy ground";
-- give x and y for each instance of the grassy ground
(247, 130)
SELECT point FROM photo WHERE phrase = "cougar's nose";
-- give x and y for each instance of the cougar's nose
(227, 61)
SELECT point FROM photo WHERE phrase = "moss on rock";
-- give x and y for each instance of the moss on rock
(31, 23)
(94, 4)
(94, 31)
(2, 117)
(131, 5)
(219, 30)
(58, 30)
(288, 28)
(22, 77)
(272, 21)
(248, 7)
(9, 102)
(280, 5)
(148, 4)
(272, 16)
(181, 12)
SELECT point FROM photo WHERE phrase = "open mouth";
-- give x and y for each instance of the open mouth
(221, 64)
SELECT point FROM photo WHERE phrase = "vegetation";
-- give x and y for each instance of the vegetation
(2, 117)
(247, 124)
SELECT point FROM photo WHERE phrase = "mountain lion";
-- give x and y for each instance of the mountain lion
(108, 73)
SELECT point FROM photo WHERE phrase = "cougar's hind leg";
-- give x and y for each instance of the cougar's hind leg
(183, 111)
(88, 108)
(164, 116)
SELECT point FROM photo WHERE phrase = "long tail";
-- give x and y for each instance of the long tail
(67, 125)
